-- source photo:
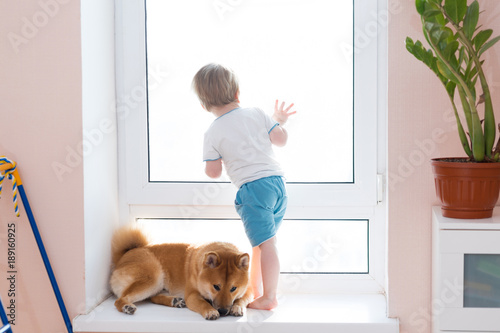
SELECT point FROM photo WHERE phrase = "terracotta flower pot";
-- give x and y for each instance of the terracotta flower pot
(467, 190)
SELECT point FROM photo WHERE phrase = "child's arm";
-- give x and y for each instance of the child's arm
(213, 169)
(279, 135)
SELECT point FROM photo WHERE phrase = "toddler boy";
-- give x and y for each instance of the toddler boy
(242, 139)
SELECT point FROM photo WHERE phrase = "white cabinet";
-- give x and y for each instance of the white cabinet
(465, 274)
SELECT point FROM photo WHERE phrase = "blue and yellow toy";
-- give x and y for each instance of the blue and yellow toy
(8, 169)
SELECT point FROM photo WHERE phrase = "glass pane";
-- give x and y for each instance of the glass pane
(294, 51)
(482, 281)
(332, 246)
(305, 246)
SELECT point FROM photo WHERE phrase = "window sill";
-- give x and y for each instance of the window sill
(296, 313)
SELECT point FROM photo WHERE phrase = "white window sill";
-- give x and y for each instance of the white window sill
(296, 313)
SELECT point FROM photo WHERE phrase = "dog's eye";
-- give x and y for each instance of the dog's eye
(216, 287)
(232, 289)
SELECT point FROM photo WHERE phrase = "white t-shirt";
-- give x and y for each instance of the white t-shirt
(241, 138)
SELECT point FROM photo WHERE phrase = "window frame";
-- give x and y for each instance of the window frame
(140, 198)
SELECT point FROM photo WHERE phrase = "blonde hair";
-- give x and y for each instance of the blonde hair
(215, 85)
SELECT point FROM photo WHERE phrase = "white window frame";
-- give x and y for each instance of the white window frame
(140, 198)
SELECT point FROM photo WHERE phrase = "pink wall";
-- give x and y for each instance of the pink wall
(420, 127)
(40, 90)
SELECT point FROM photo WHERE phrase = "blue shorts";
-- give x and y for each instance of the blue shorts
(261, 205)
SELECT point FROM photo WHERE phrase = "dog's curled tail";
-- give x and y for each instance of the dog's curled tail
(126, 239)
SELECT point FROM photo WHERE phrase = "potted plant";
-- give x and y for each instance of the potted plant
(457, 43)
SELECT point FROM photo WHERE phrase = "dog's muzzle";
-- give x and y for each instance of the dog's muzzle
(223, 312)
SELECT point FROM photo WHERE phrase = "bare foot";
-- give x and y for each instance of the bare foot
(264, 303)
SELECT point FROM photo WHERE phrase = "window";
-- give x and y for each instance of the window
(331, 159)
(274, 57)
(325, 246)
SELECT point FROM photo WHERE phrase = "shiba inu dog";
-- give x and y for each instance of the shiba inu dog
(211, 279)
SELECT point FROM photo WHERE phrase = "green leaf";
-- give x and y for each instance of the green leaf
(461, 133)
(454, 62)
(463, 136)
(472, 87)
(471, 19)
(409, 44)
(455, 9)
(418, 51)
(430, 26)
(446, 35)
(450, 88)
(469, 65)
(420, 4)
(466, 108)
(481, 38)
(488, 45)
(470, 75)
(428, 57)
(450, 50)
(477, 138)
(435, 69)
(438, 35)
(446, 72)
(461, 55)
(424, 55)
(431, 13)
(489, 128)
(434, 15)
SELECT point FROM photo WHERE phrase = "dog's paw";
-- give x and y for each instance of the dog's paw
(129, 309)
(178, 302)
(237, 310)
(211, 314)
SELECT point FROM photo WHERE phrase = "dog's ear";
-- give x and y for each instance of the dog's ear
(243, 261)
(212, 259)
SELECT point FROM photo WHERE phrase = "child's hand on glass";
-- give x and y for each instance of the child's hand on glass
(280, 114)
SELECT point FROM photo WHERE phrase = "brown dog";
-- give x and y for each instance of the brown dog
(211, 279)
